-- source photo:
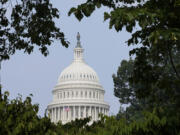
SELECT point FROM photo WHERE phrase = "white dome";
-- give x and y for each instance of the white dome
(78, 71)
(78, 93)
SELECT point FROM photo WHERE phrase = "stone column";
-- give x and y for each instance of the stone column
(63, 113)
(89, 114)
(69, 112)
(51, 114)
(99, 112)
(79, 112)
(74, 112)
(92, 113)
(55, 114)
(60, 116)
(84, 112)
(59, 113)
(95, 113)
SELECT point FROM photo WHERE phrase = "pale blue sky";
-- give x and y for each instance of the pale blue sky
(36, 74)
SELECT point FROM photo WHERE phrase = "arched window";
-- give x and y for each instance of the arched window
(60, 95)
(68, 95)
(90, 94)
(72, 94)
(86, 94)
(76, 93)
(81, 94)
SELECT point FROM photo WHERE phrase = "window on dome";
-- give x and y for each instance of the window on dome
(81, 94)
(70, 76)
(89, 94)
(87, 76)
(67, 76)
(90, 76)
(81, 75)
(60, 95)
(68, 95)
(76, 93)
(84, 76)
(72, 94)
(85, 94)
(64, 94)
(93, 94)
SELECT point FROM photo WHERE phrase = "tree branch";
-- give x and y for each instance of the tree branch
(172, 63)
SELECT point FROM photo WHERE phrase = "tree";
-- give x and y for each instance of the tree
(158, 40)
(18, 117)
(30, 23)
(125, 91)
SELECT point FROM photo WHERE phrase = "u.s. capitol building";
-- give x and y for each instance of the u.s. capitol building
(78, 93)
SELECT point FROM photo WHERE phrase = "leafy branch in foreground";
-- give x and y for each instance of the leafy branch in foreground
(25, 24)
(155, 35)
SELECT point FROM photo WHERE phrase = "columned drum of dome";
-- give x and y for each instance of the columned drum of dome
(78, 93)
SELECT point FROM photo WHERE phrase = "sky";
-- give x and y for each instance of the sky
(35, 74)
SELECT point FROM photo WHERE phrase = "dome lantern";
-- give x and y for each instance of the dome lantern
(78, 50)
(78, 41)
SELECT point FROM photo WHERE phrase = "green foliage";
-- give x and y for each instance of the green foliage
(18, 117)
(159, 36)
(152, 80)
(31, 23)
(156, 70)
(150, 83)
(122, 89)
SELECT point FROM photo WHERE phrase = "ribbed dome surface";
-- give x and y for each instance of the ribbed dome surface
(78, 71)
